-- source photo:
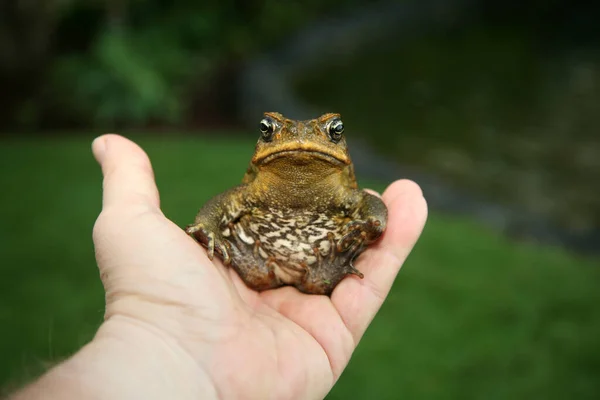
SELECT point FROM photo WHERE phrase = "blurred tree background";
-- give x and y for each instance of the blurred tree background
(500, 101)
(136, 63)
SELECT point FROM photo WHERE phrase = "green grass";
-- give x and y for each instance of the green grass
(471, 316)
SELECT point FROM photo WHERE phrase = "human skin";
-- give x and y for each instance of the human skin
(179, 326)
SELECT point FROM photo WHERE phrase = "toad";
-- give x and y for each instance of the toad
(298, 217)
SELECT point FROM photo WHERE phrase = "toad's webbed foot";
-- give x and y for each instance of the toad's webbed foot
(213, 241)
(359, 234)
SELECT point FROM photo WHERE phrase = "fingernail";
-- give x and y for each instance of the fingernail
(99, 147)
(373, 192)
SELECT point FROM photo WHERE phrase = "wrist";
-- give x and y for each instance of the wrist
(125, 360)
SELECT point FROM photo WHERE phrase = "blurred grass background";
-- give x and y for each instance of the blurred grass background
(501, 104)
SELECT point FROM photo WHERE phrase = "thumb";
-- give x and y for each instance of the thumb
(128, 176)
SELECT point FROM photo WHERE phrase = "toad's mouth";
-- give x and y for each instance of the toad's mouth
(301, 152)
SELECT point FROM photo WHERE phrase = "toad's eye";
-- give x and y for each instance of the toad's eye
(335, 130)
(267, 127)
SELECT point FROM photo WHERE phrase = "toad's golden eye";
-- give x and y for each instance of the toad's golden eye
(267, 127)
(335, 128)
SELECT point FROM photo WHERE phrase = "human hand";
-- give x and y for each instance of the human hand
(178, 325)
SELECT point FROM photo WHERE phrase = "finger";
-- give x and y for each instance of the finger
(358, 300)
(128, 175)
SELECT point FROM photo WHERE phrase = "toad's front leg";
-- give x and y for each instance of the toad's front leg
(215, 216)
(369, 219)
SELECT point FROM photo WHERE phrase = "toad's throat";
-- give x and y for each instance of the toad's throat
(302, 155)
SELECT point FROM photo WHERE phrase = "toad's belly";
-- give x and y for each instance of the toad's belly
(300, 248)
(294, 238)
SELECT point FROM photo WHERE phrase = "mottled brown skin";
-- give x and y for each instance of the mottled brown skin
(298, 218)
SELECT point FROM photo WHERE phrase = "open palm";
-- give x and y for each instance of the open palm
(162, 291)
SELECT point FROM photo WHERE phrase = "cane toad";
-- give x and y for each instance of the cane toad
(298, 217)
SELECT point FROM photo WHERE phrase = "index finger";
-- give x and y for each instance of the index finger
(358, 300)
